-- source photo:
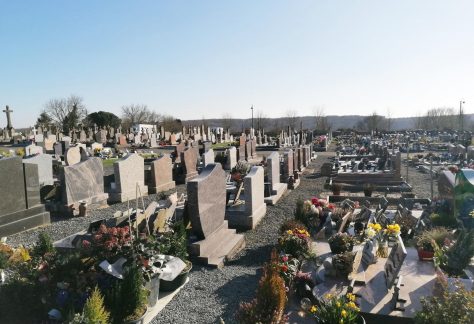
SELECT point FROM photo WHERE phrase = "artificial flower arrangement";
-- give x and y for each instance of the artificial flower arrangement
(375, 231)
(341, 242)
(295, 242)
(288, 267)
(336, 309)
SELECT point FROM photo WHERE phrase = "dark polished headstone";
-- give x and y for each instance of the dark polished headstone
(32, 186)
(12, 186)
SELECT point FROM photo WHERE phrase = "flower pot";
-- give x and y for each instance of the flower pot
(154, 287)
(382, 250)
(172, 285)
(336, 249)
(425, 255)
(140, 320)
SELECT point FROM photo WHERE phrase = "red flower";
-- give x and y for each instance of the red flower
(284, 268)
(314, 200)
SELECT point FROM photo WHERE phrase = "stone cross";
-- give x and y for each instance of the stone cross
(9, 121)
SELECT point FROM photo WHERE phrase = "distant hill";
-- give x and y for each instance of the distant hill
(348, 121)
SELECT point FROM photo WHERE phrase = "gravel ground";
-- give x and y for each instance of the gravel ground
(214, 294)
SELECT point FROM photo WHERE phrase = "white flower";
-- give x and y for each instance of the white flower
(370, 232)
(314, 210)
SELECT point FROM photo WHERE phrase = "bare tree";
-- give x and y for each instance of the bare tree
(261, 120)
(321, 121)
(388, 120)
(292, 118)
(135, 114)
(171, 124)
(439, 118)
(371, 123)
(227, 121)
(71, 109)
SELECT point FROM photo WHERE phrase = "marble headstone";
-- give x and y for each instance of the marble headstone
(162, 174)
(45, 168)
(206, 205)
(83, 181)
(129, 173)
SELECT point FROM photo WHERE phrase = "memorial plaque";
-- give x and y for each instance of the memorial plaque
(394, 262)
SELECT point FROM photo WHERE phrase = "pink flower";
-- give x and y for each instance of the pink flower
(284, 258)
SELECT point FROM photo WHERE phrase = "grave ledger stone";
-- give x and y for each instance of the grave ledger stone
(20, 207)
(206, 204)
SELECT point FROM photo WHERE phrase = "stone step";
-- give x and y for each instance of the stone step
(18, 215)
(26, 223)
(207, 246)
(222, 252)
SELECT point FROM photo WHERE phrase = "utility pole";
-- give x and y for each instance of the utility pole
(431, 175)
(251, 130)
(461, 115)
(408, 154)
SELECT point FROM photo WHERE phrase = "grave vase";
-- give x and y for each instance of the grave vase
(382, 249)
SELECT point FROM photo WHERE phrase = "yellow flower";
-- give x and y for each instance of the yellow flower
(343, 313)
(341, 321)
(313, 309)
(328, 296)
(289, 232)
(393, 229)
(375, 226)
(338, 304)
(353, 306)
(351, 297)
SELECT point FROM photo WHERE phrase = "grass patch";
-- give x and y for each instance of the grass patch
(109, 162)
(221, 145)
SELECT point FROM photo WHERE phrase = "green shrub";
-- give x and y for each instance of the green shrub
(94, 311)
(454, 306)
(270, 301)
(443, 219)
(44, 244)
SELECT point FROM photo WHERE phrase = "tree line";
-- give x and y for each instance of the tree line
(71, 112)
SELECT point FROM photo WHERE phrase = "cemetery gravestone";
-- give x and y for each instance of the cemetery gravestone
(45, 168)
(247, 216)
(129, 173)
(206, 202)
(19, 207)
(83, 181)
(72, 156)
(277, 188)
(288, 165)
(208, 157)
(161, 175)
(231, 158)
(255, 207)
(189, 161)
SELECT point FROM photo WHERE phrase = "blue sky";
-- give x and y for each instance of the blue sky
(196, 59)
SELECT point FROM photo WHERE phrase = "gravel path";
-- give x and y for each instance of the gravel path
(214, 294)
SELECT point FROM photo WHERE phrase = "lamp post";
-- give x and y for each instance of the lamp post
(461, 115)
(251, 130)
